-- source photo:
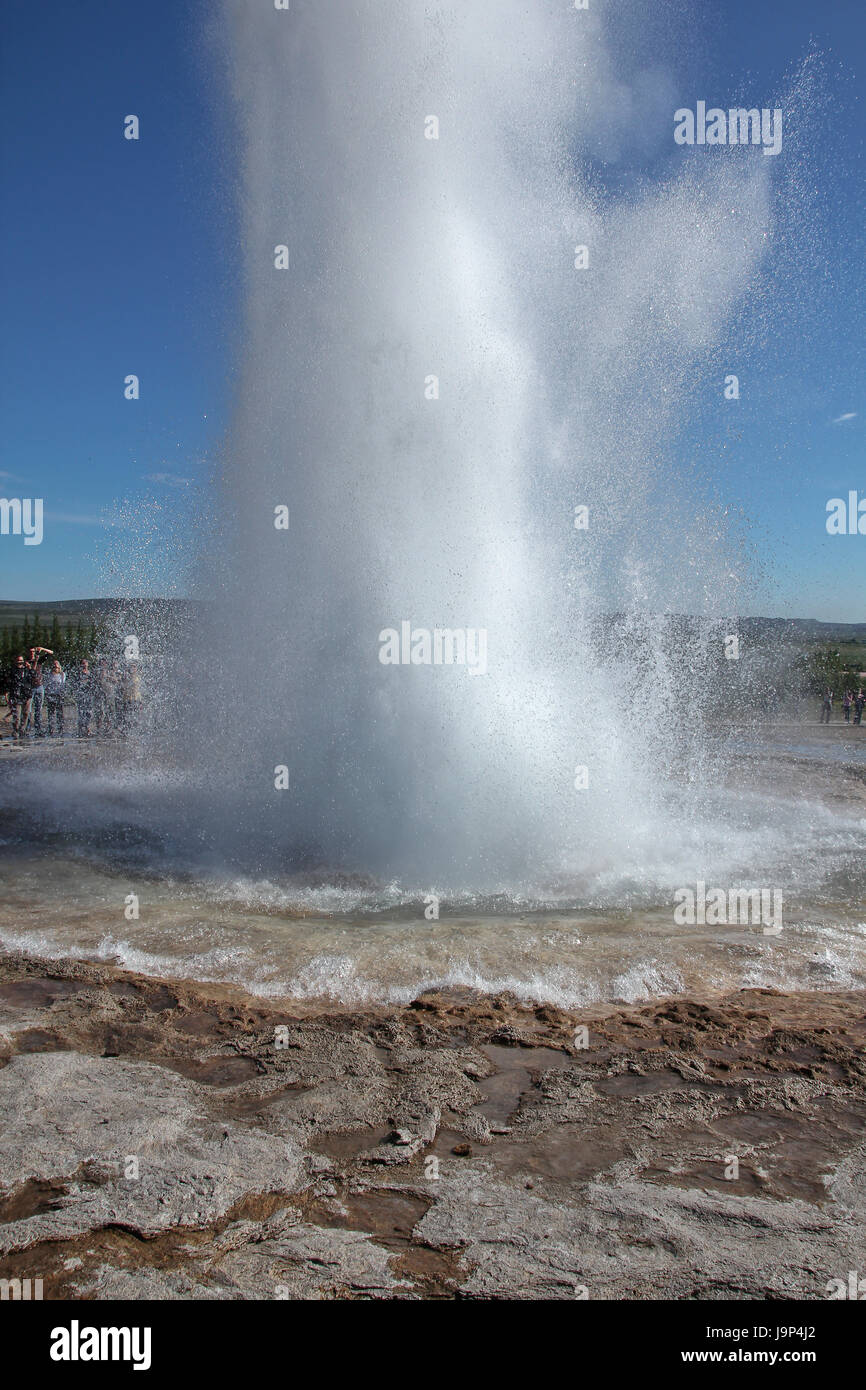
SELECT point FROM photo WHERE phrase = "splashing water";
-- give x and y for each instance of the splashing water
(450, 504)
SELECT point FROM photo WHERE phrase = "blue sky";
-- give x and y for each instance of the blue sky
(119, 256)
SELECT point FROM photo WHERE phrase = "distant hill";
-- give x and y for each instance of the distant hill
(804, 629)
(794, 631)
(71, 611)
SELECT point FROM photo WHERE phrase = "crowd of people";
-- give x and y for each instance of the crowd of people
(852, 705)
(106, 695)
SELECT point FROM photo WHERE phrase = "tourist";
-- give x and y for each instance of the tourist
(37, 697)
(130, 686)
(84, 687)
(859, 701)
(55, 689)
(118, 678)
(827, 706)
(847, 702)
(106, 695)
(18, 696)
(98, 695)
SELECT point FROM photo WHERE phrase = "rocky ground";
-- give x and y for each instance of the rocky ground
(163, 1140)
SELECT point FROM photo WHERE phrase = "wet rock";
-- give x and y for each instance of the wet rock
(359, 1161)
(64, 1113)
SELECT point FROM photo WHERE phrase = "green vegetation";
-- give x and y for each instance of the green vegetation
(78, 628)
(69, 642)
(836, 666)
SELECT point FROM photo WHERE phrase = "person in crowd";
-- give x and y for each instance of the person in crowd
(98, 698)
(55, 691)
(19, 692)
(84, 687)
(118, 677)
(131, 691)
(106, 696)
(827, 706)
(37, 698)
(859, 701)
(847, 702)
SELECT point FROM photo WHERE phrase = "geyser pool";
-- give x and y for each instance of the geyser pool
(458, 394)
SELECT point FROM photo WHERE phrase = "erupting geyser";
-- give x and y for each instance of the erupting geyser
(435, 376)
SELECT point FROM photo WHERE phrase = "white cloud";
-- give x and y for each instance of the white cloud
(849, 415)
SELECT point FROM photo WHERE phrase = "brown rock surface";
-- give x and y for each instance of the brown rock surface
(460, 1147)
